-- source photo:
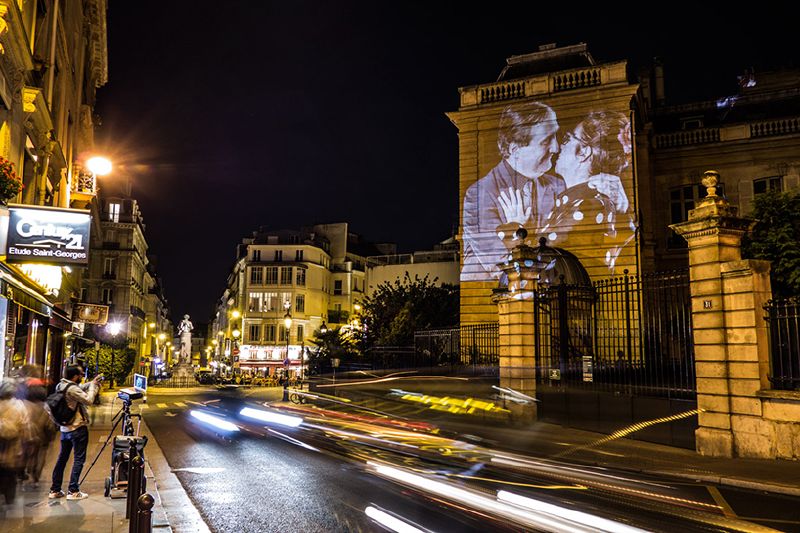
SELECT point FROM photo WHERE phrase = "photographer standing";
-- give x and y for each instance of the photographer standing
(74, 431)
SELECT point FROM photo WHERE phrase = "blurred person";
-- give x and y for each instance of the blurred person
(13, 423)
(74, 435)
(41, 430)
(588, 212)
(516, 193)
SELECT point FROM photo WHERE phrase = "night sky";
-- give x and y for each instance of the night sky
(230, 115)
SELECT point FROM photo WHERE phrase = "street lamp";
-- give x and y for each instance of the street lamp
(99, 165)
(323, 328)
(113, 329)
(287, 322)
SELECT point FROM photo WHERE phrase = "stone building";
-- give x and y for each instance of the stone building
(53, 60)
(316, 274)
(752, 137)
(440, 264)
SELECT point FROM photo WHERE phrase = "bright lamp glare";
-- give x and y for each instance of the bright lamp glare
(390, 522)
(211, 420)
(114, 328)
(99, 165)
(266, 416)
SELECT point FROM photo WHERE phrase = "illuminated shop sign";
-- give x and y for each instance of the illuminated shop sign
(90, 313)
(51, 236)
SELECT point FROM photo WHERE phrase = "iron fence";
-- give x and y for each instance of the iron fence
(628, 334)
(470, 344)
(783, 326)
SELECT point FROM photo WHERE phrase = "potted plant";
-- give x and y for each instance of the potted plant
(10, 183)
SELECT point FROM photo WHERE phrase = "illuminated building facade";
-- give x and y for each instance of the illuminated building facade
(54, 58)
(590, 158)
(315, 274)
(439, 264)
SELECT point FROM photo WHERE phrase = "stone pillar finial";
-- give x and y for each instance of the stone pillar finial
(710, 180)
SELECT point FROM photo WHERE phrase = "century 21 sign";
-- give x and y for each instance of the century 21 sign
(48, 235)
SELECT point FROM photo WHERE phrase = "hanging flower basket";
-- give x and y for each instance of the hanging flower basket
(10, 183)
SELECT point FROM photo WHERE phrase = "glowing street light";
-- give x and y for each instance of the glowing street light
(235, 313)
(99, 165)
(114, 328)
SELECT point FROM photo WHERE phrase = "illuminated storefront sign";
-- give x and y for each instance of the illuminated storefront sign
(90, 313)
(48, 235)
(46, 276)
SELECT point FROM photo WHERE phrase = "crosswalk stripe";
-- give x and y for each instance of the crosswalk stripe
(144, 406)
(161, 405)
(180, 404)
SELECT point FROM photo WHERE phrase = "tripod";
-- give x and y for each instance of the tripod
(125, 416)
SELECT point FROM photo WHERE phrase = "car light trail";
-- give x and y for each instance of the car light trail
(390, 522)
(212, 420)
(269, 417)
(580, 517)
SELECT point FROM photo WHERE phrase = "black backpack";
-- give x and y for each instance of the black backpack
(58, 408)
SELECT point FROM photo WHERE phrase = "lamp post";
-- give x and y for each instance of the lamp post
(287, 322)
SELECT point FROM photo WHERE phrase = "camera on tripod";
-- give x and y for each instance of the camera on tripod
(128, 395)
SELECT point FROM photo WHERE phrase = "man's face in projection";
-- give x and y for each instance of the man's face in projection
(533, 159)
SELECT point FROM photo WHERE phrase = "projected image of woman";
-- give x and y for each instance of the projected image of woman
(593, 155)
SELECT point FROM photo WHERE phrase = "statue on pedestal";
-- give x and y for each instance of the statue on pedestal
(185, 331)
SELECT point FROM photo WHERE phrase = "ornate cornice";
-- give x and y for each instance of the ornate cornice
(13, 37)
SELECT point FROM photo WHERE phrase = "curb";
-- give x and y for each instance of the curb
(730, 481)
(181, 514)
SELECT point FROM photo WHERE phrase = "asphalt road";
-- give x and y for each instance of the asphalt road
(285, 480)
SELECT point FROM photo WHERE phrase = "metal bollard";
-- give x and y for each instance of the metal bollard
(145, 514)
(134, 488)
(132, 452)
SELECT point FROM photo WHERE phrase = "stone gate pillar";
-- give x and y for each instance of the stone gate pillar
(730, 335)
(516, 340)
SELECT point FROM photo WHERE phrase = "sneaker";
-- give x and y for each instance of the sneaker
(77, 495)
(56, 494)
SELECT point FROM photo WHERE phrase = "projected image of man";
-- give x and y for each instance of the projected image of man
(518, 192)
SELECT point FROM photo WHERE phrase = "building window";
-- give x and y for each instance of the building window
(301, 277)
(271, 301)
(772, 183)
(681, 201)
(286, 298)
(272, 275)
(84, 294)
(254, 333)
(298, 255)
(283, 332)
(278, 255)
(300, 303)
(256, 255)
(110, 267)
(107, 296)
(286, 275)
(256, 304)
(337, 287)
(256, 275)
(300, 333)
(113, 212)
(269, 333)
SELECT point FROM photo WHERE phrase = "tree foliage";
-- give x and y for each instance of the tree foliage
(776, 237)
(396, 310)
(123, 361)
(334, 343)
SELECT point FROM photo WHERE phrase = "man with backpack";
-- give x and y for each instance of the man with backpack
(68, 408)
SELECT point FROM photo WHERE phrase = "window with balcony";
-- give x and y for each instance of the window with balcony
(269, 333)
(301, 277)
(271, 301)
(278, 255)
(300, 303)
(113, 211)
(286, 275)
(772, 183)
(272, 275)
(337, 287)
(256, 275)
(298, 255)
(254, 333)
(110, 268)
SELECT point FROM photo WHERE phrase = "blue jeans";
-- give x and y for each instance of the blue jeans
(77, 440)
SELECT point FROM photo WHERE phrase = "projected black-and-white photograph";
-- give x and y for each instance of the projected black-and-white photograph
(568, 180)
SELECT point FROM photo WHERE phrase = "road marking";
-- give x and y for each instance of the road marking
(180, 404)
(170, 413)
(161, 405)
(199, 470)
(144, 406)
(723, 505)
(193, 403)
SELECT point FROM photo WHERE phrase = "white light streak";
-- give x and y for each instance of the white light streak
(269, 417)
(213, 421)
(390, 522)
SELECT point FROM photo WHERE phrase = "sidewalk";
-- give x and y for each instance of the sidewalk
(32, 512)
